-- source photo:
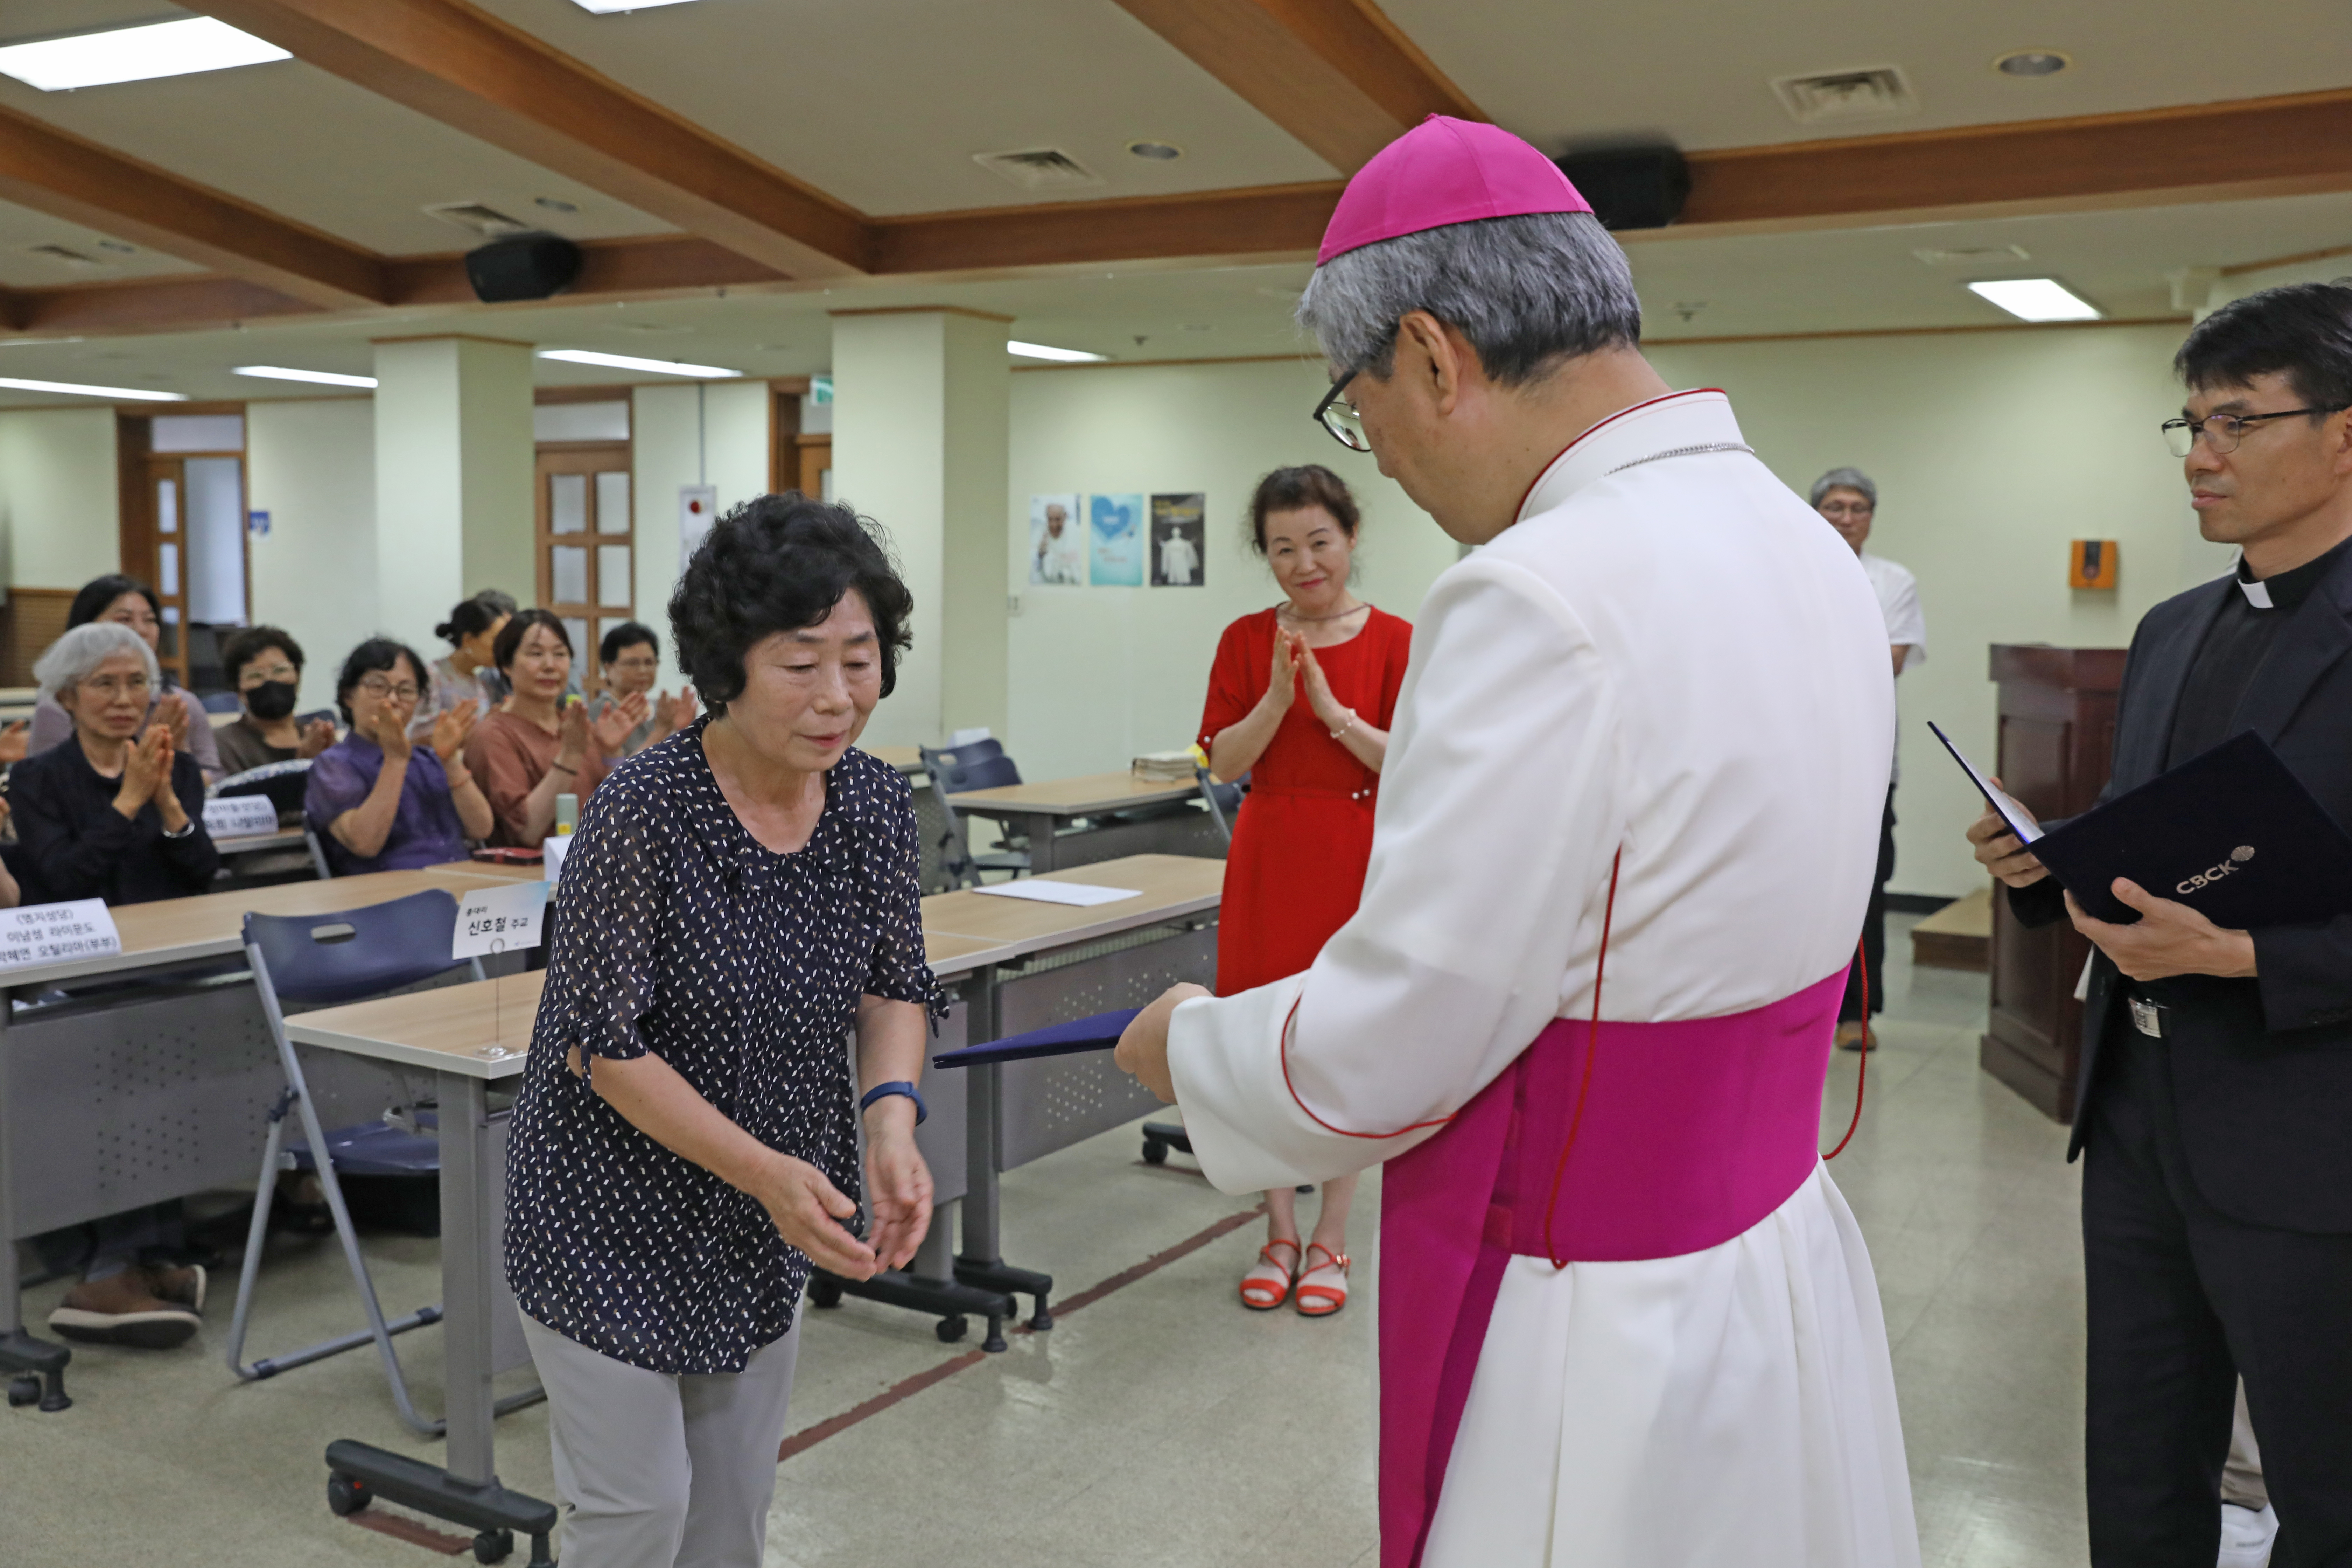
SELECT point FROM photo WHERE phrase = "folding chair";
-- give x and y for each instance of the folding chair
(981, 765)
(324, 959)
(1224, 799)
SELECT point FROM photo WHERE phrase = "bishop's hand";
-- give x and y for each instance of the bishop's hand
(1143, 1045)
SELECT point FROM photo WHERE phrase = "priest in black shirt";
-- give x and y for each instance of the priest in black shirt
(2215, 1100)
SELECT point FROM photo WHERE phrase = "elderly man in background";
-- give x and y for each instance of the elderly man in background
(1849, 499)
(1625, 1316)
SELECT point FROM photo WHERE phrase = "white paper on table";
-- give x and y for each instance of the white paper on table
(507, 917)
(552, 853)
(240, 815)
(1081, 894)
(49, 933)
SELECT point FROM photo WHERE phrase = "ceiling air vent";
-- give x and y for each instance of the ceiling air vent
(1038, 169)
(488, 223)
(1974, 255)
(1873, 92)
(66, 254)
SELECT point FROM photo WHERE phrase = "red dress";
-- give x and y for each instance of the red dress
(1296, 870)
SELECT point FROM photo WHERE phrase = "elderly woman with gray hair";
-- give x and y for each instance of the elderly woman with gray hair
(1848, 500)
(116, 812)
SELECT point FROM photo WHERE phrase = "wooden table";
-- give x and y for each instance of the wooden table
(1167, 887)
(1043, 810)
(905, 759)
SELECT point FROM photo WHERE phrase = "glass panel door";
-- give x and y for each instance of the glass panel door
(584, 490)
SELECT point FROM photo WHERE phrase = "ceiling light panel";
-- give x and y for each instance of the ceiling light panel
(135, 53)
(2037, 300)
(627, 361)
(1044, 351)
(323, 377)
(608, 7)
(11, 383)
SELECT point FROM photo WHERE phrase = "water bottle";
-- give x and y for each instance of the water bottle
(567, 813)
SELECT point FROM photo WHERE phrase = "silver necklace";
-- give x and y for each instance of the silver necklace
(1339, 615)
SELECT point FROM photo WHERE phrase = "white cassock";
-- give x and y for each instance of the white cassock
(1668, 663)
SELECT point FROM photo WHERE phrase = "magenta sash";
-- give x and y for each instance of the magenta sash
(1693, 1132)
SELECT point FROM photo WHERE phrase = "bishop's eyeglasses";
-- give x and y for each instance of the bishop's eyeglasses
(1338, 415)
(2223, 432)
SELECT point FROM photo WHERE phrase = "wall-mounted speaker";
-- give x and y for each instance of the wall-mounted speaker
(527, 267)
(1635, 187)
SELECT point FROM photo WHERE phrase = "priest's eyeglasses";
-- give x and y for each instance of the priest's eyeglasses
(1338, 415)
(2223, 432)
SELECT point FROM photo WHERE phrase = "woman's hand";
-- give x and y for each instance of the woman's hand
(146, 768)
(897, 1183)
(391, 731)
(1282, 685)
(672, 714)
(317, 736)
(612, 730)
(15, 742)
(171, 715)
(1327, 708)
(1143, 1045)
(571, 738)
(451, 729)
(808, 1211)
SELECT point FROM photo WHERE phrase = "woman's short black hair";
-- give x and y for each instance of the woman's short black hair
(1295, 489)
(625, 637)
(510, 635)
(2301, 331)
(251, 644)
(472, 618)
(101, 592)
(372, 655)
(777, 563)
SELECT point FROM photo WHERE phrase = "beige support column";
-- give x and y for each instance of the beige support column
(454, 471)
(921, 420)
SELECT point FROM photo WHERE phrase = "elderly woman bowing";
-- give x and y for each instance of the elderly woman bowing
(117, 811)
(738, 898)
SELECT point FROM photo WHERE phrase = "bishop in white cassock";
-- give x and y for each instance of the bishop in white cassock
(1585, 1009)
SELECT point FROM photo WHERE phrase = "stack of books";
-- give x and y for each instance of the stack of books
(1165, 767)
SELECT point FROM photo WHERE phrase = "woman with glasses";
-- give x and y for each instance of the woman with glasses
(265, 665)
(378, 799)
(631, 655)
(128, 602)
(536, 745)
(115, 812)
(1300, 699)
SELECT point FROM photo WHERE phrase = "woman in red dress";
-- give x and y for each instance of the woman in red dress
(1300, 699)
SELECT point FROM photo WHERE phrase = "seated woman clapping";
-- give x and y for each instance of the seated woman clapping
(535, 745)
(378, 800)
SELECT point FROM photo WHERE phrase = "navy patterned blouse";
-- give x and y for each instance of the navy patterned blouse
(680, 934)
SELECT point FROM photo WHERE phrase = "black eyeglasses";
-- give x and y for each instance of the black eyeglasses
(1339, 415)
(2223, 432)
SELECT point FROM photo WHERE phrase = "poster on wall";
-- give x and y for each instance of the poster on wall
(1057, 541)
(1179, 548)
(1117, 541)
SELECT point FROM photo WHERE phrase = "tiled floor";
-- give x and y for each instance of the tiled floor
(1160, 1425)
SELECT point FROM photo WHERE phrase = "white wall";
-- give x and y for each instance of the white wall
(1099, 675)
(716, 434)
(1991, 451)
(60, 505)
(310, 465)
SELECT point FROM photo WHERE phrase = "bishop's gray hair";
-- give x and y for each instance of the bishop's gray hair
(1526, 291)
(1845, 480)
(76, 656)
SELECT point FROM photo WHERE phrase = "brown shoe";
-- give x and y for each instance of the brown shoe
(182, 1286)
(1855, 1036)
(121, 1309)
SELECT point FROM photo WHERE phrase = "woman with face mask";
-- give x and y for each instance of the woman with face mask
(265, 665)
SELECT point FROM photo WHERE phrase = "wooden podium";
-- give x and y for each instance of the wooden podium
(2057, 708)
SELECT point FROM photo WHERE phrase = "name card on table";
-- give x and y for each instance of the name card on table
(240, 815)
(507, 917)
(551, 858)
(53, 933)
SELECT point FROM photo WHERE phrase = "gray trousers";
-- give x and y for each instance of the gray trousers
(663, 1472)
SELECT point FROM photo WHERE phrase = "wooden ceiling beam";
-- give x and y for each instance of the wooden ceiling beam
(459, 65)
(1271, 223)
(49, 171)
(1337, 75)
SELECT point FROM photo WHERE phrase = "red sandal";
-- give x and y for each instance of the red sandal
(1263, 1291)
(1318, 1299)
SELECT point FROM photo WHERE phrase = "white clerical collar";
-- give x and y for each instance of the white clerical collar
(1680, 420)
(2257, 594)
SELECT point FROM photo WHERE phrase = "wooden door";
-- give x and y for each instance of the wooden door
(586, 545)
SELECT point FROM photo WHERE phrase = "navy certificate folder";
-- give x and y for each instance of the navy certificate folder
(2230, 833)
(1099, 1033)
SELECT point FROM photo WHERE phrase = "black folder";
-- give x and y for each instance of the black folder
(2230, 833)
(1099, 1033)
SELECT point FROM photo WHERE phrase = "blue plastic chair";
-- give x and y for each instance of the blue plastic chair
(220, 702)
(326, 960)
(951, 771)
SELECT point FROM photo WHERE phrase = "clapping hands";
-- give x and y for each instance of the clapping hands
(452, 728)
(611, 728)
